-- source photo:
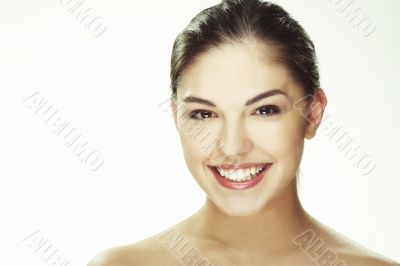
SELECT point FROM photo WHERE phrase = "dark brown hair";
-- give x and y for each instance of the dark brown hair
(235, 21)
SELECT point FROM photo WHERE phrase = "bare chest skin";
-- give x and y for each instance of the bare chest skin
(188, 244)
(152, 252)
(198, 254)
(179, 246)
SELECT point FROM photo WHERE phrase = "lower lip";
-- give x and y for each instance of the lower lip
(239, 185)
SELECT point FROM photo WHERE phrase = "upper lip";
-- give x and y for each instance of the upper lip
(239, 166)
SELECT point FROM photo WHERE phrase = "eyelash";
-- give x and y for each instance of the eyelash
(275, 109)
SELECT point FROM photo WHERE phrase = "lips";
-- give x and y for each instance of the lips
(240, 176)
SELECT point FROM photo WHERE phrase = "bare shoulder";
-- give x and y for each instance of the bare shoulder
(112, 256)
(341, 249)
(127, 255)
(365, 258)
(143, 253)
(356, 254)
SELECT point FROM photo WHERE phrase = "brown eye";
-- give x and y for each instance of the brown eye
(268, 110)
(200, 114)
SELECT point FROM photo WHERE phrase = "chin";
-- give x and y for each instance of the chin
(238, 207)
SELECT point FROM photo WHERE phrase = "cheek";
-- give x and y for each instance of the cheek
(281, 138)
(194, 138)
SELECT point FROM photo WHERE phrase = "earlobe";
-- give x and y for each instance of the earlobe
(315, 113)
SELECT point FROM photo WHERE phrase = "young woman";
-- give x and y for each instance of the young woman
(245, 94)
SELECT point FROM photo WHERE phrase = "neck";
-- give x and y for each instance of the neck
(270, 230)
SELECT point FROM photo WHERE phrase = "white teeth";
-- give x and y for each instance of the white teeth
(247, 172)
(240, 174)
(222, 172)
(236, 175)
(253, 171)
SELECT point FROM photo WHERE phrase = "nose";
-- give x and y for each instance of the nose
(234, 139)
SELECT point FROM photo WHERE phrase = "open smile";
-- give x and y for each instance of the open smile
(240, 176)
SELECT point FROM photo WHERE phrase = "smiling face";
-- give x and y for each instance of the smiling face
(234, 108)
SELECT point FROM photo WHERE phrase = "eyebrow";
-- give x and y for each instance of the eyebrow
(257, 98)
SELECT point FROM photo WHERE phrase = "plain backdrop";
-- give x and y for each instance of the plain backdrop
(112, 89)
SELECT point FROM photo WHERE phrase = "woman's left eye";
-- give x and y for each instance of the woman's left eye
(267, 110)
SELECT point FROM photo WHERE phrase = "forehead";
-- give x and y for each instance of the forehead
(240, 71)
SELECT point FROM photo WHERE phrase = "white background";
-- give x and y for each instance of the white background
(110, 89)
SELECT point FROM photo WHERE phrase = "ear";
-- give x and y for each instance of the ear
(174, 110)
(315, 112)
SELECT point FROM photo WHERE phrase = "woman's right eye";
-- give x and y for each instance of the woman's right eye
(200, 114)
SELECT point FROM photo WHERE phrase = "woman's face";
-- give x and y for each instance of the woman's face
(222, 124)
